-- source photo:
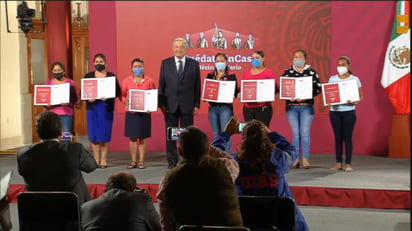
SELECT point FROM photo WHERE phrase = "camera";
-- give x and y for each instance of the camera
(173, 133)
(66, 137)
(24, 12)
(26, 25)
(24, 15)
(241, 126)
(140, 190)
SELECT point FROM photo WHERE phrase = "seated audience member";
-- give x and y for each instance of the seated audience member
(261, 153)
(200, 189)
(122, 207)
(52, 165)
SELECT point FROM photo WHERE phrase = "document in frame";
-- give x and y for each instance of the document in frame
(218, 91)
(262, 90)
(42, 94)
(60, 93)
(89, 88)
(143, 100)
(340, 92)
(52, 94)
(296, 88)
(97, 88)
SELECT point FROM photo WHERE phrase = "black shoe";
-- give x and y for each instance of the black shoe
(171, 166)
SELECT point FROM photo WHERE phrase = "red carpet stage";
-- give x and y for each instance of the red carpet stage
(304, 195)
(376, 182)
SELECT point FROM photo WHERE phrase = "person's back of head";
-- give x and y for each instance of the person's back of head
(256, 146)
(200, 190)
(120, 207)
(193, 143)
(121, 180)
(48, 125)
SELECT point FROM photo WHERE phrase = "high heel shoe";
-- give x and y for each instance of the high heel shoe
(348, 168)
(337, 167)
(306, 164)
(132, 164)
(141, 165)
(296, 164)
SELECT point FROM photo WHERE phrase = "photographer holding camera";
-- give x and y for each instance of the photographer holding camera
(123, 206)
(264, 157)
(199, 190)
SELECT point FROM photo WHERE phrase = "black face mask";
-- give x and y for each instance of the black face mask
(99, 67)
(58, 76)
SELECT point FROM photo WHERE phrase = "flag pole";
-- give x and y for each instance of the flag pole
(396, 81)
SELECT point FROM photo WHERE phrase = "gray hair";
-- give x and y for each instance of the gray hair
(181, 40)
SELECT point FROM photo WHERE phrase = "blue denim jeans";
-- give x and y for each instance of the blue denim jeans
(300, 120)
(219, 116)
(67, 122)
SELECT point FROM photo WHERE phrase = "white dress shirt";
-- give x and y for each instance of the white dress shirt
(177, 62)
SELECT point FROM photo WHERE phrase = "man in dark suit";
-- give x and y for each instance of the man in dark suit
(179, 92)
(121, 207)
(52, 165)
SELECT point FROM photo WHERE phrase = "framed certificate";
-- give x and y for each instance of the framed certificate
(262, 90)
(51, 94)
(97, 88)
(296, 88)
(143, 100)
(340, 92)
(218, 91)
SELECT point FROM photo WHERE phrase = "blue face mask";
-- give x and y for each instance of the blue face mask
(220, 66)
(138, 71)
(299, 62)
(256, 62)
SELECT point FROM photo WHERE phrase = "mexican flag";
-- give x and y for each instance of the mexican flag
(396, 70)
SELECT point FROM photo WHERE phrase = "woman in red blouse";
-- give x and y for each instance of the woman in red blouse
(137, 124)
(261, 111)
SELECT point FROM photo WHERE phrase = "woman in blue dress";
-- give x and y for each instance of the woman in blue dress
(100, 114)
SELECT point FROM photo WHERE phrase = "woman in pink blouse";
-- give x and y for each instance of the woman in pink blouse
(65, 111)
(261, 111)
(137, 124)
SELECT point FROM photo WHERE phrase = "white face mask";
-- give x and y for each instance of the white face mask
(342, 70)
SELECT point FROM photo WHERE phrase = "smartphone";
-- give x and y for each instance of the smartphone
(173, 133)
(241, 126)
(66, 137)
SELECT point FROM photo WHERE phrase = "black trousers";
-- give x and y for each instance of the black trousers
(263, 114)
(177, 119)
(343, 123)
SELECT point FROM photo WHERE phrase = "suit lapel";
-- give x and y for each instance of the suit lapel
(173, 67)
